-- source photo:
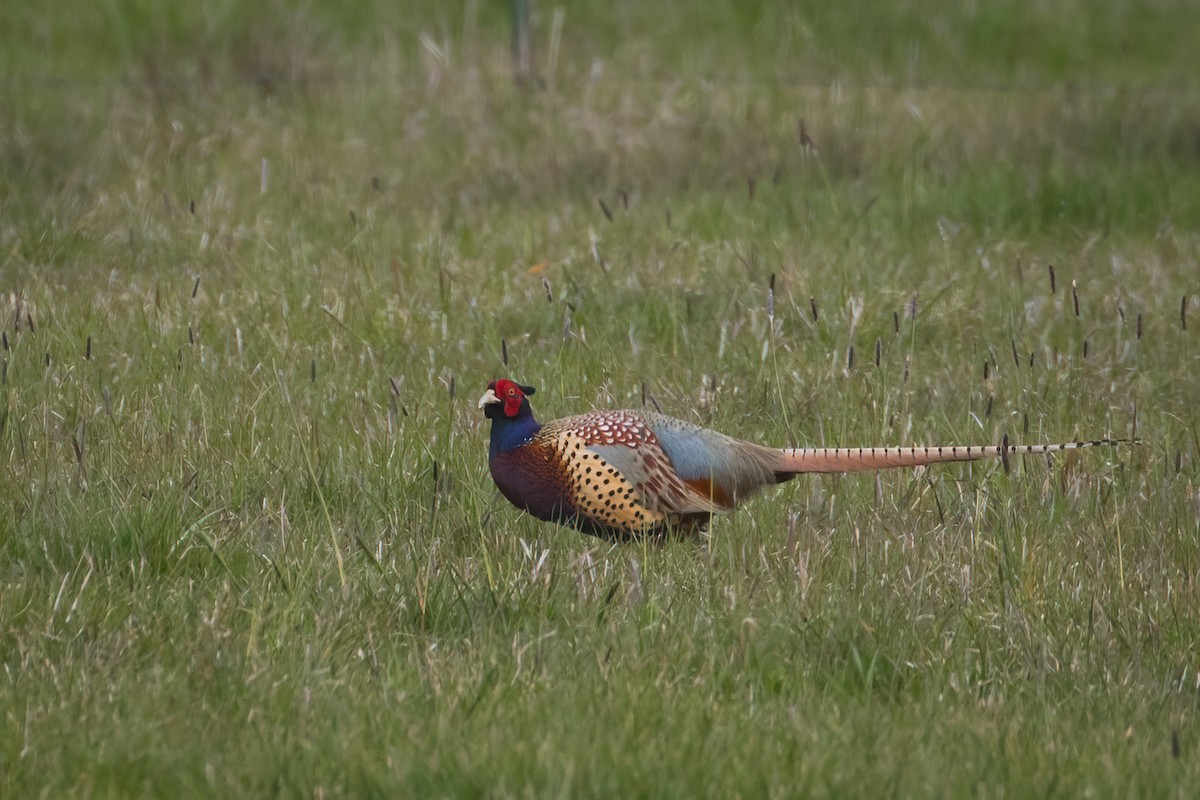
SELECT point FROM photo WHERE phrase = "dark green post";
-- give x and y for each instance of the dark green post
(522, 40)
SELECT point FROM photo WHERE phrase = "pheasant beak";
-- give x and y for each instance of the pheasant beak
(489, 397)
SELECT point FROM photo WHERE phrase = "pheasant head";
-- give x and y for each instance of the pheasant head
(506, 404)
(506, 399)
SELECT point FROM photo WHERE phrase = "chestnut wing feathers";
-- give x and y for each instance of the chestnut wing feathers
(673, 467)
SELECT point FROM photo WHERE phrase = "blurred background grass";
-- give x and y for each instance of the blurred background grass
(258, 262)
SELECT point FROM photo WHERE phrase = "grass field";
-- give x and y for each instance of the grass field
(257, 264)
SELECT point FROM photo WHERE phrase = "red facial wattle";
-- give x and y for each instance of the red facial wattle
(511, 406)
(510, 394)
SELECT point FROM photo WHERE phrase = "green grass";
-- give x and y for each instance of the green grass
(248, 543)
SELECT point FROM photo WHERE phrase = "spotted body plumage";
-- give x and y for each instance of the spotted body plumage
(604, 472)
(624, 474)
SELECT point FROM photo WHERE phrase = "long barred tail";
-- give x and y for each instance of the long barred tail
(863, 459)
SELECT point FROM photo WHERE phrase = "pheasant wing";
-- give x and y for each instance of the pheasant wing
(620, 452)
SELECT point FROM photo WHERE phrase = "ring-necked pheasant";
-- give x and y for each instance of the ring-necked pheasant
(622, 474)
